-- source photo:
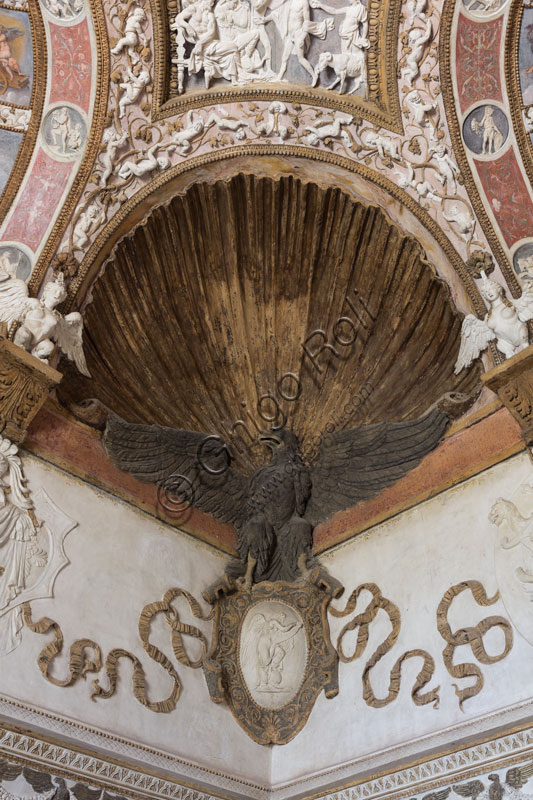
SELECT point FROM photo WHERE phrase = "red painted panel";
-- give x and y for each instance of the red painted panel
(38, 201)
(71, 64)
(478, 60)
(508, 195)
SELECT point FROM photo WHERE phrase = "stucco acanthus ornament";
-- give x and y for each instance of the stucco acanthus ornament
(39, 328)
(504, 323)
(286, 122)
(32, 530)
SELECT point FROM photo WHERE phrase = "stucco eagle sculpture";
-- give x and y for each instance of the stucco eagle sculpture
(275, 510)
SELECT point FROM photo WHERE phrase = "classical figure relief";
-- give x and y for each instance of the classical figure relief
(64, 9)
(237, 41)
(31, 551)
(16, 118)
(37, 326)
(510, 789)
(513, 555)
(275, 509)
(504, 323)
(273, 653)
(65, 132)
(486, 128)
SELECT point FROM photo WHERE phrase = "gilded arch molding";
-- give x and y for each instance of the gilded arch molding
(270, 157)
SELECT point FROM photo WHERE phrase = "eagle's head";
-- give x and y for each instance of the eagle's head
(281, 442)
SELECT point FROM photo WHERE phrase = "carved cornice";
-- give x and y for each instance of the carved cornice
(137, 206)
(25, 383)
(151, 775)
(512, 381)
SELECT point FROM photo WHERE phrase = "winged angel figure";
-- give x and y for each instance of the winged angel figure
(275, 510)
(38, 326)
(515, 778)
(504, 322)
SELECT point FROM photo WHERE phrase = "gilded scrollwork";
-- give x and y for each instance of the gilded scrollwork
(362, 621)
(85, 655)
(471, 636)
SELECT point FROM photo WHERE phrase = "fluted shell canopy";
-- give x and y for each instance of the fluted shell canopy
(207, 310)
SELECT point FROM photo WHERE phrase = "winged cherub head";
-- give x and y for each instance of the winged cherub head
(54, 292)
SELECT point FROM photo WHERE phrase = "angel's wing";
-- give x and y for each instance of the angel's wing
(470, 789)
(519, 776)
(13, 300)
(169, 457)
(475, 337)
(524, 305)
(69, 338)
(357, 464)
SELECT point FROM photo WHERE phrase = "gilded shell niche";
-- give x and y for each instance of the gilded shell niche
(255, 302)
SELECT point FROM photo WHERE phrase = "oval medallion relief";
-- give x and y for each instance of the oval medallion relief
(272, 653)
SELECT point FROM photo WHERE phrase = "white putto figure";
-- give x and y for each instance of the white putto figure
(505, 322)
(132, 35)
(18, 533)
(41, 326)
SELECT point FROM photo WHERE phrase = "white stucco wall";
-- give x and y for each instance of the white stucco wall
(121, 560)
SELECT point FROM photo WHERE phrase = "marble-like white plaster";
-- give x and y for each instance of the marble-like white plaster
(414, 559)
(121, 560)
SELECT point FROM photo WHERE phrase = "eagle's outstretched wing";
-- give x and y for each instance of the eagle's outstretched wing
(442, 794)
(357, 464)
(519, 776)
(188, 462)
(471, 789)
